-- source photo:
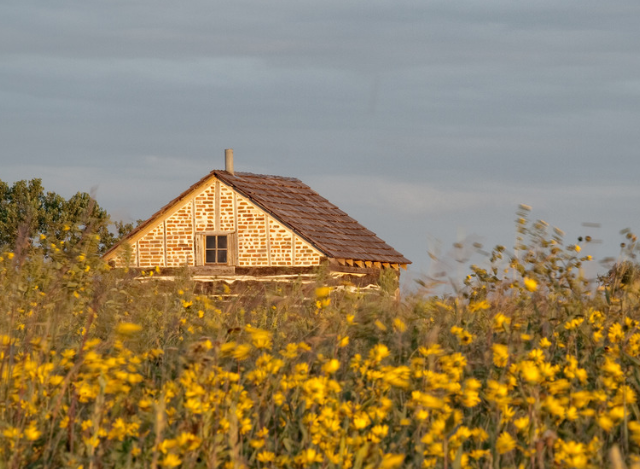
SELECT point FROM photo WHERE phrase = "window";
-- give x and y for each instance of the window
(216, 249)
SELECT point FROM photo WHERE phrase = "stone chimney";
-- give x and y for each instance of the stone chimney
(228, 160)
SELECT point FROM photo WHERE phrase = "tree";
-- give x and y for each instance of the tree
(28, 214)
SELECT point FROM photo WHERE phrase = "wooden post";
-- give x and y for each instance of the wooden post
(267, 228)
(236, 252)
(216, 216)
(164, 232)
(193, 231)
(293, 249)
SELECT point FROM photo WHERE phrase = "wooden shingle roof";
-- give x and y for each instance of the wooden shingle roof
(313, 217)
(297, 206)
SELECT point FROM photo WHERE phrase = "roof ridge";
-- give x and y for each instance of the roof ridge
(245, 173)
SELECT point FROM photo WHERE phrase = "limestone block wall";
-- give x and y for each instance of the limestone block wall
(259, 240)
(180, 237)
(227, 222)
(280, 244)
(205, 206)
(252, 235)
(305, 254)
(151, 248)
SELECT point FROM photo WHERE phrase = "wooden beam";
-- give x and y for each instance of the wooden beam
(368, 263)
(395, 266)
(353, 270)
(359, 263)
(193, 231)
(293, 249)
(236, 244)
(216, 215)
(386, 265)
(350, 262)
(404, 266)
(341, 261)
(164, 238)
(377, 265)
(267, 228)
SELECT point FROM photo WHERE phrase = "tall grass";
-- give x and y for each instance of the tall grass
(529, 365)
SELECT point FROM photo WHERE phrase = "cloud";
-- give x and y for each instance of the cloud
(412, 199)
(393, 195)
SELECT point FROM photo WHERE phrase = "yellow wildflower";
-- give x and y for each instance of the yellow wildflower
(530, 284)
(266, 456)
(171, 460)
(242, 352)
(530, 372)
(31, 432)
(378, 352)
(505, 443)
(499, 322)
(522, 423)
(128, 329)
(331, 366)
(259, 337)
(361, 420)
(616, 333)
(399, 325)
(476, 306)
(391, 461)
(379, 325)
(322, 292)
(571, 454)
(308, 457)
(500, 355)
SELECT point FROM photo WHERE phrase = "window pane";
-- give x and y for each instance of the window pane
(211, 242)
(222, 256)
(222, 242)
(211, 257)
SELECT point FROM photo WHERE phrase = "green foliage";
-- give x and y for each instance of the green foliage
(28, 213)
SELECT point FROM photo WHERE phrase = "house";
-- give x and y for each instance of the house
(243, 226)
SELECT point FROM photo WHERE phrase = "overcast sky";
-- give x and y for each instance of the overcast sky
(427, 121)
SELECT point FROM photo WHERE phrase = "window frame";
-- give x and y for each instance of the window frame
(201, 248)
(216, 249)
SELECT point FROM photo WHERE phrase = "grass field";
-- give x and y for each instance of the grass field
(530, 365)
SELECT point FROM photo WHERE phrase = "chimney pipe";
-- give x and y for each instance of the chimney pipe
(228, 160)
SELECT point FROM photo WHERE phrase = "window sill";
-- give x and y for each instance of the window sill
(214, 270)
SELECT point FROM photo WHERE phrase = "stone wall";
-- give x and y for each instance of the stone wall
(205, 204)
(305, 254)
(281, 244)
(180, 237)
(152, 247)
(227, 223)
(251, 236)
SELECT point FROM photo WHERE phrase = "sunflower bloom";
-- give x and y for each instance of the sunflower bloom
(505, 443)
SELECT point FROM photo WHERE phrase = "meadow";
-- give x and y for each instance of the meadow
(528, 365)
